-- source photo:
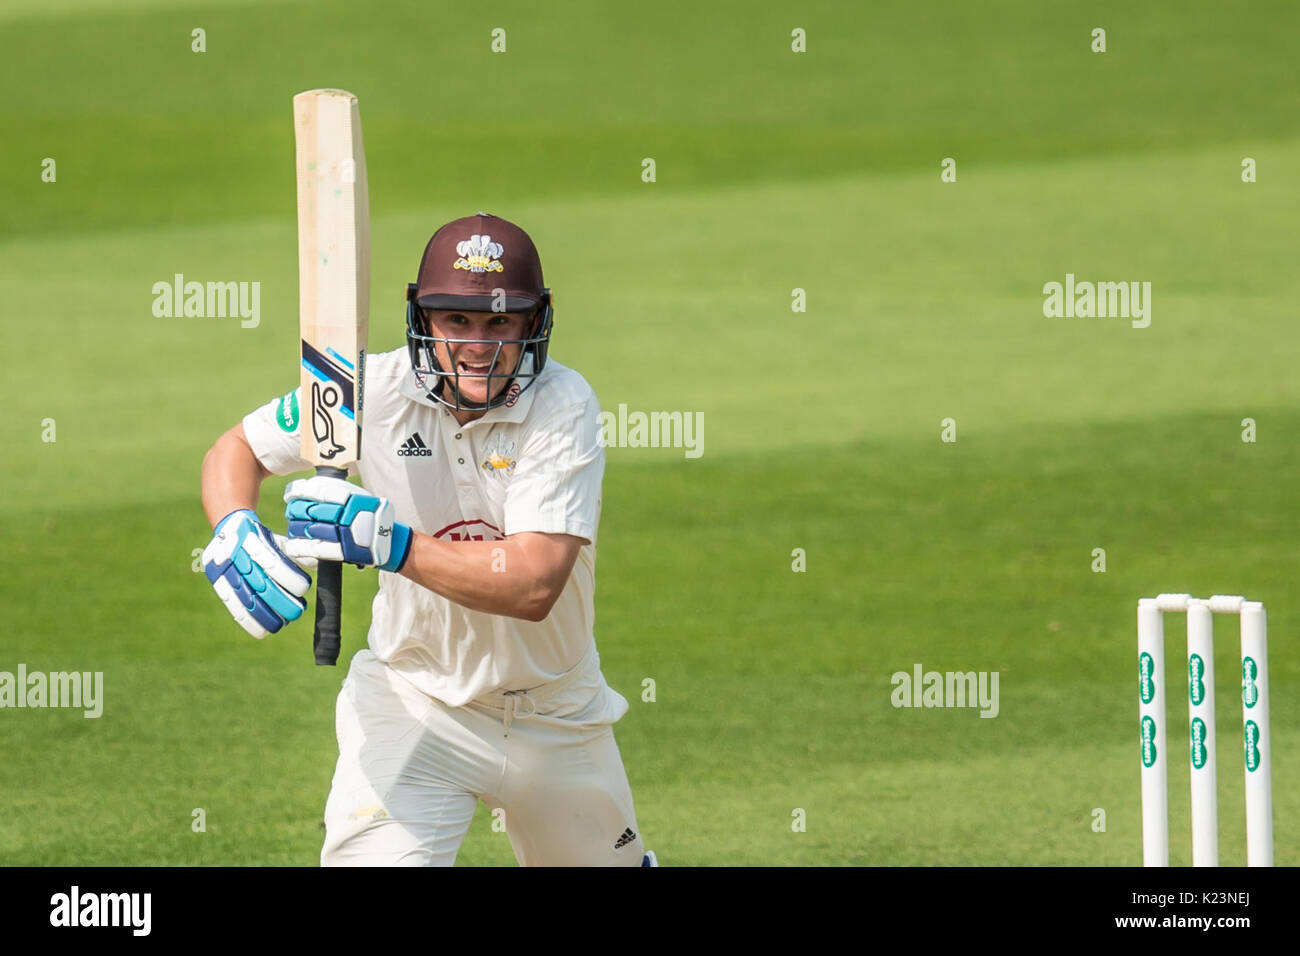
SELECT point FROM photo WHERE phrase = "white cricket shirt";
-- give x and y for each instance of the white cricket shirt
(533, 466)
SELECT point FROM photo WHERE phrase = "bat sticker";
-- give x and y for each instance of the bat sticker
(322, 424)
(333, 380)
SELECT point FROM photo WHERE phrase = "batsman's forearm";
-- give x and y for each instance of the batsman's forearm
(231, 477)
(497, 577)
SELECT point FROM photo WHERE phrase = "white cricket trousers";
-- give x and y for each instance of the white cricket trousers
(411, 770)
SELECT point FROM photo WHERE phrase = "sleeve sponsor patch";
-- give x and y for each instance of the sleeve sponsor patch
(286, 412)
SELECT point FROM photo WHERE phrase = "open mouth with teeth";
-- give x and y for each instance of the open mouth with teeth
(468, 368)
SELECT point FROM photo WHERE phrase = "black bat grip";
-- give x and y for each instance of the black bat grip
(329, 598)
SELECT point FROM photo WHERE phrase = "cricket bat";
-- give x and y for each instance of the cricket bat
(334, 307)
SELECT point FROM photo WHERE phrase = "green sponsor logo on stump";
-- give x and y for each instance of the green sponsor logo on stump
(1196, 679)
(1249, 677)
(1148, 742)
(1199, 753)
(1146, 678)
(1253, 756)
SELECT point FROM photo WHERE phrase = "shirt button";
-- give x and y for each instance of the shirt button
(461, 460)
(458, 434)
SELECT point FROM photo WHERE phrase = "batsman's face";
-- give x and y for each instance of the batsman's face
(474, 361)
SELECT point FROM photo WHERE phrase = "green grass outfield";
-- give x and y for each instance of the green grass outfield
(775, 171)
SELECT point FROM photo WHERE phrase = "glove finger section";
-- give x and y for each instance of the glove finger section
(298, 548)
(242, 562)
(288, 608)
(263, 614)
(359, 504)
(320, 511)
(287, 548)
(277, 566)
(320, 488)
(297, 509)
(323, 532)
(305, 509)
(314, 531)
(215, 572)
(255, 577)
(238, 586)
(251, 602)
(237, 610)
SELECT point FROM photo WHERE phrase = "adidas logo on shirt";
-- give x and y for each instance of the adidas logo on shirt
(627, 837)
(414, 447)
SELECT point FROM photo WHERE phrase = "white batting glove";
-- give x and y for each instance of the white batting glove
(261, 588)
(333, 520)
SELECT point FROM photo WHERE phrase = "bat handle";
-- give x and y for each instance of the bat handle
(329, 597)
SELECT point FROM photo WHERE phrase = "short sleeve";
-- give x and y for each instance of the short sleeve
(272, 432)
(556, 485)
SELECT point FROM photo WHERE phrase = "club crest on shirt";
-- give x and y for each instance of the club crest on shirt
(500, 457)
(479, 254)
(474, 529)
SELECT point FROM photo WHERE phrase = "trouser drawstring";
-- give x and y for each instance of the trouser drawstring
(512, 699)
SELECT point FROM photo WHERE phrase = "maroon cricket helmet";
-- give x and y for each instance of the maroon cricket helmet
(479, 263)
(470, 262)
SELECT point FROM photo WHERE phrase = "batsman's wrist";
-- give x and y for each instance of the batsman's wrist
(400, 549)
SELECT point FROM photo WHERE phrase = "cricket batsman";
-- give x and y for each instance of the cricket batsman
(477, 505)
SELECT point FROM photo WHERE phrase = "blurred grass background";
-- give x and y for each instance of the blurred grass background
(775, 171)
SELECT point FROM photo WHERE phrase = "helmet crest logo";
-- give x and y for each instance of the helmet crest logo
(479, 254)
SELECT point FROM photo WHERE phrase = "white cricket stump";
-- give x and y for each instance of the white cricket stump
(1200, 727)
(1200, 702)
(1254, 716)
(1151, 694)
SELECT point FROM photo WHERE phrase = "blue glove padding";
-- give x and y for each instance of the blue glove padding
(333, 520)
(260, 586)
